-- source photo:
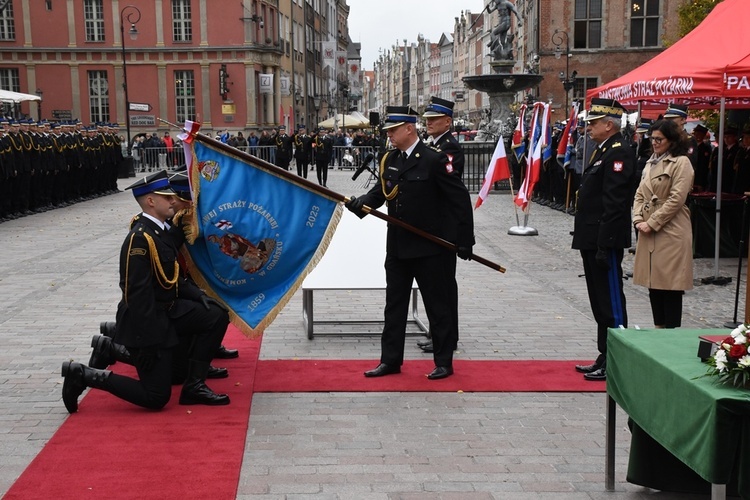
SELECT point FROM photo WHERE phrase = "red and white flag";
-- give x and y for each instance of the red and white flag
(539, 123)
(519, 134)
(497, 171)
(190, 129)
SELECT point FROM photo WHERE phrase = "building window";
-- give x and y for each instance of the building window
(644, 23)
(588, 24)
(93, 16)
(98, 96)
(7, 26)
(583, 85)
(9, 79)
(182, 24)
(184, 92)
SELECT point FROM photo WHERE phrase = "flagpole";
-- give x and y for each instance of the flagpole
(331, 194)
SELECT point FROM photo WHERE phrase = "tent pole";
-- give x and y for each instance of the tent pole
(719, 168)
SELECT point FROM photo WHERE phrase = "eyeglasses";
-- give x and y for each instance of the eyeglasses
(658, 140)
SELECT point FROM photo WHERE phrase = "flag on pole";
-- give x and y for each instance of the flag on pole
(566, 138)
(519, 134)
(254, 235)
(534, 162)
(497, 171)
(546, 133)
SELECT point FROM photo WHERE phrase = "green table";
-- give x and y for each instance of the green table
(652, 374)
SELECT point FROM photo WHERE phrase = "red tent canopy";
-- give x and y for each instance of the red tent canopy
(710, 62)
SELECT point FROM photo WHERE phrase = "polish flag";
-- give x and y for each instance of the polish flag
(190, 129)
(539, 122)
(563, 147)
(516, 143)
(497, 170)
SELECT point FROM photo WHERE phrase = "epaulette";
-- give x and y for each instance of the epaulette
(135, 220)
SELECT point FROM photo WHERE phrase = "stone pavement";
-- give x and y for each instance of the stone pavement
(58, 280)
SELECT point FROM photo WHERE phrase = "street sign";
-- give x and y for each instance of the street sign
(143, 121)
(136, 106)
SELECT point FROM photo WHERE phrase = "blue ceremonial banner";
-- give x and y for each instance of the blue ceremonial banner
(256, 234)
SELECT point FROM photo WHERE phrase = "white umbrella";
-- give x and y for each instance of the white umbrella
(9, 96)
(346, 121)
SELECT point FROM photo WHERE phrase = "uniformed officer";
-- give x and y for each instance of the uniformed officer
(421, 189)
(603, 224)
(302, 151)
(283, 148)
(157, 306)
(323, 145)
(679, 113)
(106, 351)
(438, 116)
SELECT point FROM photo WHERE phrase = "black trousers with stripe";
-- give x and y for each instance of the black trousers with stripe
(605, 295)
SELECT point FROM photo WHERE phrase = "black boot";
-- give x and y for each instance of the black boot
(195, 391)
(77, 378)
(224, 353)
(108, 328)
(106, 353)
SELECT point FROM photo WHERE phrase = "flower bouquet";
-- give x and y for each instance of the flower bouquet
(731, 361)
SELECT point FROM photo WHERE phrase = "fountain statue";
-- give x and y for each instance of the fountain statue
(502, 86)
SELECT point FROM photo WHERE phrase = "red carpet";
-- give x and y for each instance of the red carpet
(470, 376)
(114, 450)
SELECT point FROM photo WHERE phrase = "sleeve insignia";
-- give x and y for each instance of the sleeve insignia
(137, 251)
(617, 166)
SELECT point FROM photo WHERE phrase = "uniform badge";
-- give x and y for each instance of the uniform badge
(137, 251)
(599, 162)
(617, 166)
(449, 165)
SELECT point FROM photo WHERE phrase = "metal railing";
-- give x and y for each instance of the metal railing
(477, 158)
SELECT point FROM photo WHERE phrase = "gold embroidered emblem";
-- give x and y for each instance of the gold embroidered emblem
(137, 251)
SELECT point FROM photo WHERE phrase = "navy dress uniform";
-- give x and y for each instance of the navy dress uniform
(422, 191)
(284, 149)
(602, 227)
(158, 305)
(446, 143)
(679, 113)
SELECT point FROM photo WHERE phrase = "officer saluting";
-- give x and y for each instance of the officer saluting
(603, 224)
(420, 188)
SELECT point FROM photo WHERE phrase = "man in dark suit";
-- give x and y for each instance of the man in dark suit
(323, 144)
(158, 305)
(603, 223)
(438, 116)
(283, 148)
(302, 151)
(421, 189)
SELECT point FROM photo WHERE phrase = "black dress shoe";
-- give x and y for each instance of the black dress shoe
(600, 374)
(587, 368)
(224, 353)
(422, 343)
(383, 369)
(440, 372)
(214, 372)
(427, 348)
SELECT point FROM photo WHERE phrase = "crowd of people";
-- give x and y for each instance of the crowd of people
(45, 165)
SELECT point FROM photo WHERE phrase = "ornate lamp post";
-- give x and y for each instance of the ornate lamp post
(567, 79)
(133, 16)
